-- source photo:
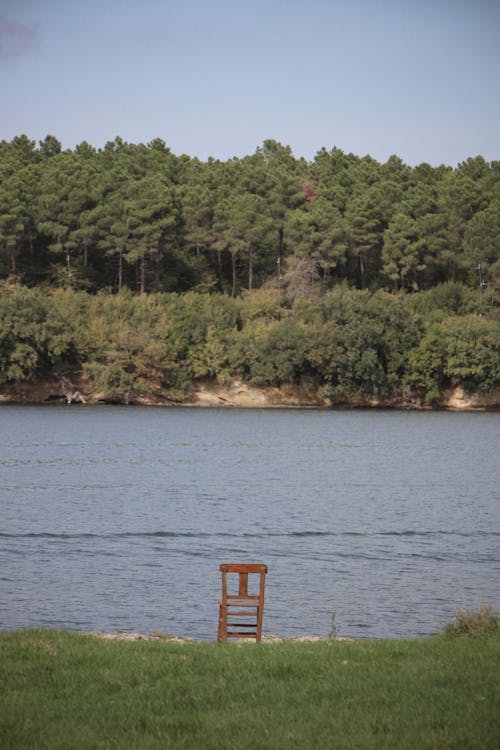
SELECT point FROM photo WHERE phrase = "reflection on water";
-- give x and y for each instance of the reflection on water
(118, 518)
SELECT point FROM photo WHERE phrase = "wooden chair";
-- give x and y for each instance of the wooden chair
(235, 606)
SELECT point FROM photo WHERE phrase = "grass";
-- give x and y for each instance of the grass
(65, 690)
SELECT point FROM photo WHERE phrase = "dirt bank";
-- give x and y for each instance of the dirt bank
(166, 638)
(236, 394)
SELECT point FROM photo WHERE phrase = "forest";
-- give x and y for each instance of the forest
(148, 271)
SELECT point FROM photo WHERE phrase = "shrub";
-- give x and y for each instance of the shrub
(485, 621)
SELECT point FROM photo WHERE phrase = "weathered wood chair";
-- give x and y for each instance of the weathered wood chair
(233, 607)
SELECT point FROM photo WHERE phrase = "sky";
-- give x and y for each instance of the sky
(415, 78)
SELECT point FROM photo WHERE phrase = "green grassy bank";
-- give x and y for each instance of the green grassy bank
(65, 690)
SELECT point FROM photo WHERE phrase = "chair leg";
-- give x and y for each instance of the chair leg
(222, 629)
(258, 633)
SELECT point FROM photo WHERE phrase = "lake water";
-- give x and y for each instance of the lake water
(117, 518)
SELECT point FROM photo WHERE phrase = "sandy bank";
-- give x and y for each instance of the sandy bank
(235, 394)
(166, 638)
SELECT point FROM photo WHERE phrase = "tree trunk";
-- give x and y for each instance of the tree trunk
(250, 268)
(158, 271)
(362, 269)
(198, 270)
(233, 268)
(120, 269)
(281, 243)
(326, 276)
(13, 263)
(68, 268)
(157, 275)
(142, 278)
(281, 250)
(219, 271)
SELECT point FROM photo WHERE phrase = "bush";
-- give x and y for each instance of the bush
(40, 333)
(456, 351)
(485, 621)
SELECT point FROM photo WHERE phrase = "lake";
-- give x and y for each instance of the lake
(117, 518)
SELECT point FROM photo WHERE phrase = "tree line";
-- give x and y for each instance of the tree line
(148, 271)
(138, 217)
(349, 345)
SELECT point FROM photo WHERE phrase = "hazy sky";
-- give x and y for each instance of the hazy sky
(416, 78)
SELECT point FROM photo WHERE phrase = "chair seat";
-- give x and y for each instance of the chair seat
(242, 601)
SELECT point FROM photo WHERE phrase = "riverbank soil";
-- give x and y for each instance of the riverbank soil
(236, 394)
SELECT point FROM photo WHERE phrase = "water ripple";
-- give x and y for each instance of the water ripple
(245, 535)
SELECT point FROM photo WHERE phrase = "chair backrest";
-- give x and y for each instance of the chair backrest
(243, 570)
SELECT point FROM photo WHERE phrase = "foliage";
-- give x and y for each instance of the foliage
(474, 624)
(360, 344)
(457, 351)
(347, 344)
(447, 299)
(37, 337)
(137, 349)
(138, 216)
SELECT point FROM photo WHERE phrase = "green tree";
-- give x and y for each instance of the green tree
(39, 335)
(400, 256)
(482, 249)
(152, 215)
(12, 222)
(66, 202)
(282, 176)
(19, 177)
(364, 231)
(318, 231)
(198, 215)
(50, 146)
(461, 351)
(112, 231)
(358, 344)
(243, 225)
(332, 171)
(135, 350)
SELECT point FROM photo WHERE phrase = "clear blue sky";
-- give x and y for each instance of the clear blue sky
(416, 78)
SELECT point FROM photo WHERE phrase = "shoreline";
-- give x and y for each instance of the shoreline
(236, 394)
(167, 638)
